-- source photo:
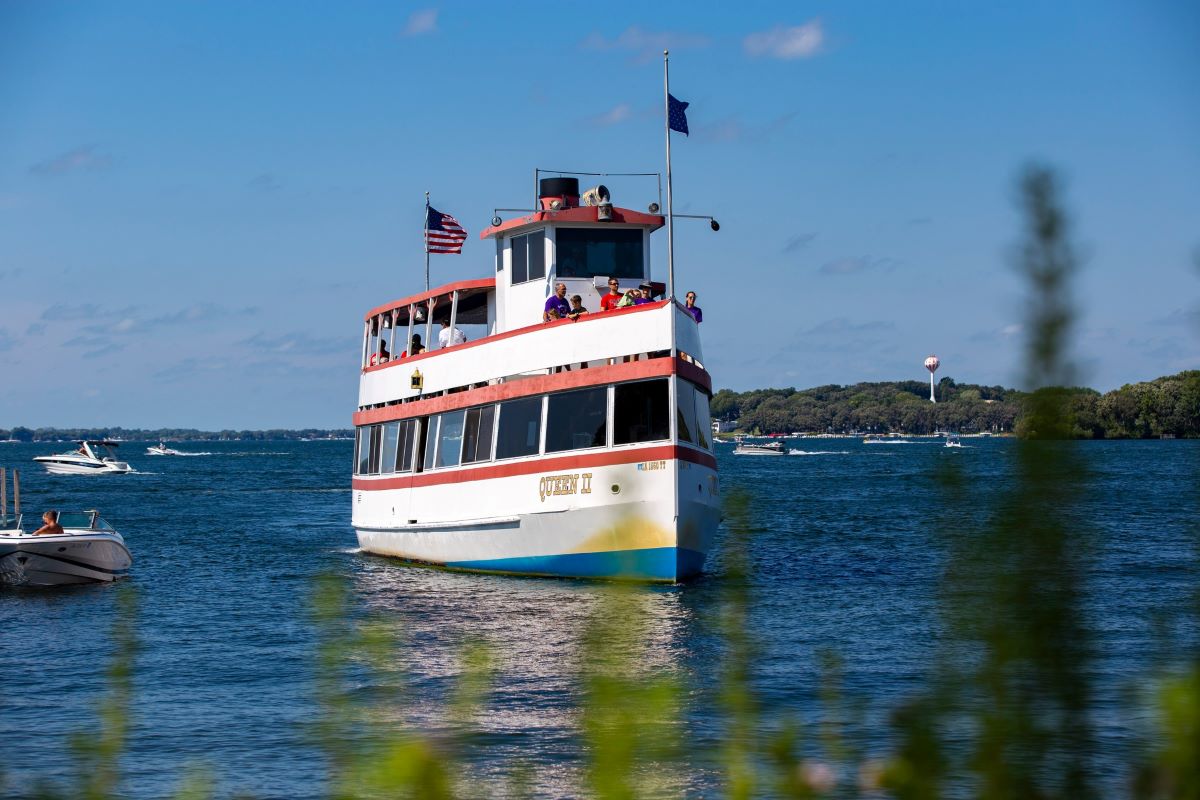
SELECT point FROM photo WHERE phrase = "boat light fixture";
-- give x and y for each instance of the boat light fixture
(716, 226)
(597, 196)
(653, 208)
(496, 221)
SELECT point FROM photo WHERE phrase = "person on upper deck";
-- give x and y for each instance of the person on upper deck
(414, 347)
(448, 336)
(577, 309)
(51, 527)
(694, 309)
(610, 300)
(383, 356)
(640, 297)
(558, 302)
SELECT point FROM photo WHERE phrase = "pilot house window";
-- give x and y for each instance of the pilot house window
(588, 252)
(529, 257)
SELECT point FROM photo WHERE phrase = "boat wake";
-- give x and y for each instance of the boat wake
(818, 452)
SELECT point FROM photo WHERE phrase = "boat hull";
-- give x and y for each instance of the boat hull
(28, 560)
(82, 467)
(605, 536)
(756, 451)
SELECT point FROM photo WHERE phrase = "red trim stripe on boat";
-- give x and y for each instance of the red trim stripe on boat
(541, 384)
(491, 470)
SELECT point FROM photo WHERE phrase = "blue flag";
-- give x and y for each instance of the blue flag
(676, 118)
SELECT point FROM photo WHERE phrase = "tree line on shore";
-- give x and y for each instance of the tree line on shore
(22, 434)
(1166, 406)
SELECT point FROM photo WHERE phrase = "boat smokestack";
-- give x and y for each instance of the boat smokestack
(563, 191)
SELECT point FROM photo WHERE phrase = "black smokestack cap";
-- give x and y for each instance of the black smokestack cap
(559, 187)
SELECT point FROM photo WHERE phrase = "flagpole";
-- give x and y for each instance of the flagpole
(671, 266)
(427, 241)
(670, 199)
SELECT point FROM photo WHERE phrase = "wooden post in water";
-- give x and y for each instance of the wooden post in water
(3, 497)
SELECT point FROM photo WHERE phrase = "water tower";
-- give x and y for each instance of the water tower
(932, 364)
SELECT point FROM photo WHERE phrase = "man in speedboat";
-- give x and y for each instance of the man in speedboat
(51, 527)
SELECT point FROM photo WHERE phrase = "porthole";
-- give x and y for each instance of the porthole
(616, 488)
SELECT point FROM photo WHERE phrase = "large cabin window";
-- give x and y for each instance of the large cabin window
(703, 420)
(363, 450)
(376, 435)
(391, 435)
(576, 420)
(588, 252)
(404, 448)
(520, 428)
(685, 402)
(429, 443)
(641, 412)
(692, 416)
(528, 257)
(450, 437)
(477, 436)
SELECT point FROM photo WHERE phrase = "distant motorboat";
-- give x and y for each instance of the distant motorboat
(754, 449)
(92, 457)
(952, 440)
(87, 551)
(161, 449)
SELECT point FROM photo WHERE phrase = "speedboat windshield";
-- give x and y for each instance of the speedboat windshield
(104, 450)
(88, 520)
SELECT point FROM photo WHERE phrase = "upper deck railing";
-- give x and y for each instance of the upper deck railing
(594, 339)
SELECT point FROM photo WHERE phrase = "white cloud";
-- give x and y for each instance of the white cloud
(782, 41)
(616, 114)
(81, 158)
(421, 22)
(643, 44)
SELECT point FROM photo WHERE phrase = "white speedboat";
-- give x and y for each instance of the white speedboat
(756, 449)
(92, 457)
(161, 449)
(952, 441)
(87, 551)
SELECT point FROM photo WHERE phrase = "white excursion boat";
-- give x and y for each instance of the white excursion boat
(92, 457)
(87, 551)
(747, 448)
(570, 447)
(161, 449)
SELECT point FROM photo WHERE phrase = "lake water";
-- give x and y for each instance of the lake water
(227, 546)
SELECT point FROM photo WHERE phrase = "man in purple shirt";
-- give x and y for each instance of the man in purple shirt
(558, 302)
(692, 308)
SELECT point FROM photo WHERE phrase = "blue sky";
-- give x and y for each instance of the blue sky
(198, 201)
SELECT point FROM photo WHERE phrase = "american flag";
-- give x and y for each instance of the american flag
(443, 233)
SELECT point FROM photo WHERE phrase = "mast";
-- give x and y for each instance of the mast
(670, 199)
